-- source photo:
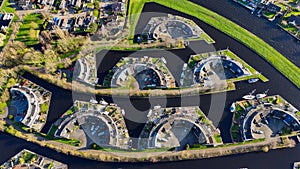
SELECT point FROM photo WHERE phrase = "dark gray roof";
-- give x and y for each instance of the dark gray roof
(273, 8)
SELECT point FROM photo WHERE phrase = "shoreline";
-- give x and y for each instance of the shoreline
(142, 156)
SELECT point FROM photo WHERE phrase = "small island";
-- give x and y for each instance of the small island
(28, 159)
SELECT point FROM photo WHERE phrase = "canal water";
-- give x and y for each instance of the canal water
(137, 108)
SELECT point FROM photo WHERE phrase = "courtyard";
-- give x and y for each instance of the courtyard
(177, 127)
(264, 118)
(140, 73)
(94, 123)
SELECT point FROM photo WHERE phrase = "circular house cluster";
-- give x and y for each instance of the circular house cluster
(220, 67)
(93, 123)
(263, 118)
(85, 70)
(173, 27)
(177, 128)
(141, 73)
(29, 104)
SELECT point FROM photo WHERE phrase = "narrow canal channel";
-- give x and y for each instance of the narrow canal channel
(138, 107)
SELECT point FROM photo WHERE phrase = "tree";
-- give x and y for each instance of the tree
(187, 146)
(10, 117)
(265, 149)
(93, 28)
(60, 33)
(13, 53)
(21, 160)
(51, 61)
(50, 165)
(44, 108)
(33, 57)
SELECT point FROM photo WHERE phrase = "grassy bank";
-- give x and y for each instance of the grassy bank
(286, 67)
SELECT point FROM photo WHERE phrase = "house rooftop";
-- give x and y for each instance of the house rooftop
(273, 8)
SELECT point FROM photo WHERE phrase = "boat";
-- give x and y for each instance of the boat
(232, 108)
(103, 102)
(253, 80)
(93, 101)
(259, 96)
(248, 97)
(262, 95)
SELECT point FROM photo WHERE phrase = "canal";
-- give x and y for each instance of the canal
(136, 108)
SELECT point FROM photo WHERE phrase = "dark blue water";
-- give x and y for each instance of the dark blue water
(136, 108)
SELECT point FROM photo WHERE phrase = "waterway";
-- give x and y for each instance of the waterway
(136, 108)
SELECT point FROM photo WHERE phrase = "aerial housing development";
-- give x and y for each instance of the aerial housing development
(261, 117)
(178, 127)
(93, 123)
(28, 159)
(287, 11)
(83, 82)
(140, 73)
(29, 104)
(172, 28)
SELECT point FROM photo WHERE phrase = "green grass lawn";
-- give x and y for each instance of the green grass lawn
(217, 138)
(269, 15)
(288, 14)
(96, 13)
(286, 67)
(30, 28)
(6, 7)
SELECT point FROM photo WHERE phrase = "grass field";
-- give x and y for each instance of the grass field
(6, 7)
(30, 28)
(281, 63)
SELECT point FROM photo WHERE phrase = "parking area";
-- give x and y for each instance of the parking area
(96, 129)
(147, 78)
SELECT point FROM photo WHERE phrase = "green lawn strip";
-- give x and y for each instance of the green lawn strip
(6, 7)
(288, 14)
(269, 15)
(24, 31)
(286, 67)
(2, 106)
(207, 38)
(52, 131)
(108, 149)
(50, 136)
(217, 138)
(96, 13)
(198, 146)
